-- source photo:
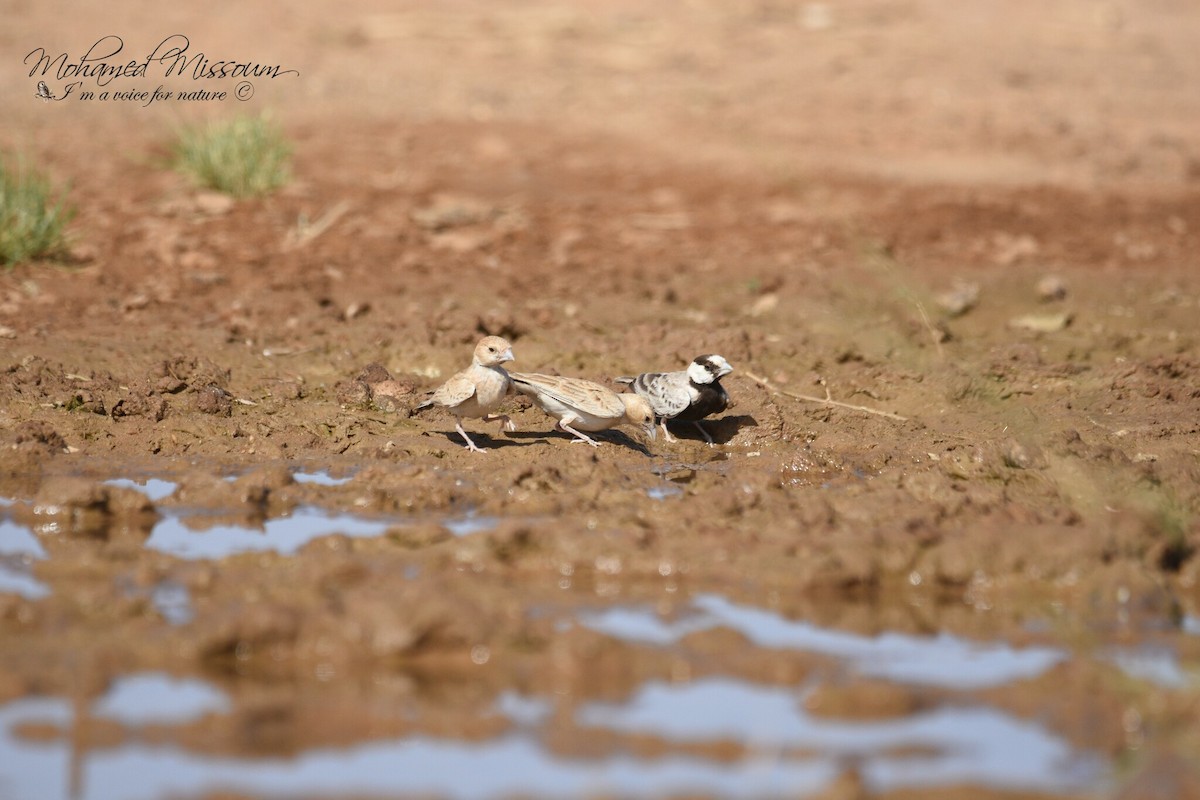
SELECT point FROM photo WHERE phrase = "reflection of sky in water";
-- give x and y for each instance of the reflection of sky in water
(502, 767)
(19, 548)
(968, 745)
(663, 492)
(15, 579)
(468, 524)
(962, 746)
(1155, 665)
(18, 540)
(172, 600)
(321, 478)
(154, 488)
(156, 699)
(941, 660)
(283, 535)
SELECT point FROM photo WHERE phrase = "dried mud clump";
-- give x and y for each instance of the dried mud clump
(40, 437)
(353, 394)
(182, 372)
(214, 400)
(375, 387)
(141, 401)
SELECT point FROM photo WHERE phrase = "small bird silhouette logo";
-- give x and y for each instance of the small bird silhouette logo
(44, 92)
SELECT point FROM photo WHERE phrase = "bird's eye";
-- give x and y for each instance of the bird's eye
(491, 349)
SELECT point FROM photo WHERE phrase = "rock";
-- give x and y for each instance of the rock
(353, 393)
(763, 305)
(449, 211)
(391, 395)
(959, 300)
(373, 373)
(1042, 323)
(1051, 288)
(213, 203)
(214, 400)
(1021, 456)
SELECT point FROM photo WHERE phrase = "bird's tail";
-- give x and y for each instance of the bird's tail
(422, 406)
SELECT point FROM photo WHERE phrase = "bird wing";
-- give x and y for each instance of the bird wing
(455, 391)
(590, 398)
(667, 392)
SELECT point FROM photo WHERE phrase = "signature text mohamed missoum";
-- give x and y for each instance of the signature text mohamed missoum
(103, 63)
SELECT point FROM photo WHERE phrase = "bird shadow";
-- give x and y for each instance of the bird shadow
(721, 430)
(610, 437)
(484, 440)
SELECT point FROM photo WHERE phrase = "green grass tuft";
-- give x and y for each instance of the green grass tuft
(242, 157)
(32, 221)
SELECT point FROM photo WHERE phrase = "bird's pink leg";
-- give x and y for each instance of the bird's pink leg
(470, 445)
(582, 437)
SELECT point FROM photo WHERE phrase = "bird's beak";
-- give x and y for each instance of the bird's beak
(506, 355)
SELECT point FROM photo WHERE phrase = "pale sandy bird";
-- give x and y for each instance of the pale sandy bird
(479, 388)
(688, 395)
(581, 405)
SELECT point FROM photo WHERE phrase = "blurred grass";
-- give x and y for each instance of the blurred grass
(242, 157)
(32, 221)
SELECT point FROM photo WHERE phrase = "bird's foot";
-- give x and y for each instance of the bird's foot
(474, 448)
(580, 437)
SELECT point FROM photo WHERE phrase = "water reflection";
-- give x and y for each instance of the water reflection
(154, 488)
(963, 745)
(941, 660)
(320, 478)
(19, 548)
(155, 698)
(791, 753)
(283, 535)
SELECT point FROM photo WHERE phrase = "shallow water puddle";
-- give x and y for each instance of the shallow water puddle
(1156, 665)
(284, 535)
(955, 745)
(503, 767)
(19, 548)
(153, 698)
(173, 602)
(320, 478)
(663, 492)
(469, 523)
(154, 488)
(943, 660)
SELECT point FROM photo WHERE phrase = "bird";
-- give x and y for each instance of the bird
(581, 405)
(687, 395)
(476, 390)
(43, 91)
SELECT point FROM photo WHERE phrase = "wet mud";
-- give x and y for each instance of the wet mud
(945, 543)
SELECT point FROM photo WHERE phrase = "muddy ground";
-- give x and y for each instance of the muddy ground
(983, 236)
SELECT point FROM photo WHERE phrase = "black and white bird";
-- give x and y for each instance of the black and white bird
(688, 395)
(581, 405)
(478, 389)
(43, 91)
